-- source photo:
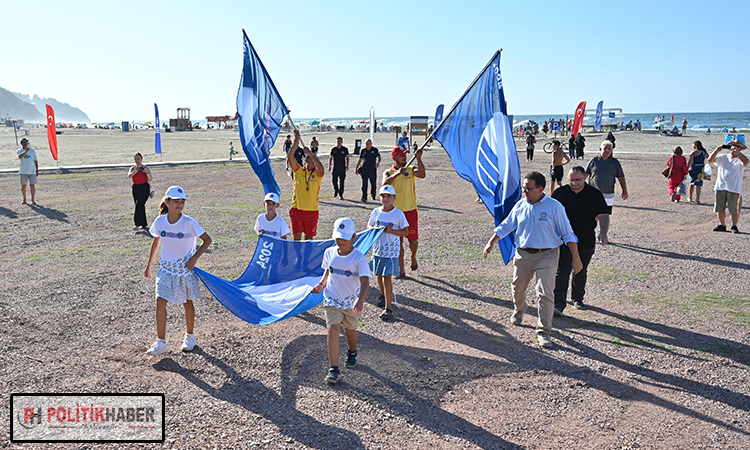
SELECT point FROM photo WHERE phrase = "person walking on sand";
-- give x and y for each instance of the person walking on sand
(367, 168)
(584, 206)
(684, 126)
(29, 170)
(231, 150)
(141, 178)
(559, 159)
(728, 185)
(601, 172)
(530, 141)
(677, 173)
(403, 180)
(541, 226)
(696, 163)
(176, 282)
(338, 165)
(307, 179)
(581, 144)
(345, 282)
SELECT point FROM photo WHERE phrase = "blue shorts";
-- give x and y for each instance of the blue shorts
(384, 266)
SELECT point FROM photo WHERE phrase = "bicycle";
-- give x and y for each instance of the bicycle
(548, 147)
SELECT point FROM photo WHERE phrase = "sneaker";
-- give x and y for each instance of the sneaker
(579, 305)
(33, 202)
(735, 230)
(544, 340)
(24, 202)
(333, 375)
(386, 315)
(517, 317)
(351, 359)
(381, 301)
(151, 194)
(188, 343)
(136, 228)
(720, 228)
(374, 197)
(341, 196)
(557, 312)
(159, 347)
(364, 199)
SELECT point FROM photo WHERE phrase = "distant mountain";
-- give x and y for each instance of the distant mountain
(11, 105)
(63, 111)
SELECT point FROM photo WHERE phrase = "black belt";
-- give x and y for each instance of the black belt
(535, 250)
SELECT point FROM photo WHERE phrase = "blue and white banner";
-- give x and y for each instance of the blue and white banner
(438, 115)
(261, 111)
(599, 109)
(157, 129)
(372, 124)
(277, 283)
(478, 137)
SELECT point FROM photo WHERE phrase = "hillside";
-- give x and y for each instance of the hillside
(11, 105)
(63, 111)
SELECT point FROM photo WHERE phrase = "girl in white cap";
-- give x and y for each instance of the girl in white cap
(176, 282)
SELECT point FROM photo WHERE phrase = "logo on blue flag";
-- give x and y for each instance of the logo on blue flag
(599, 108)
(260, 110)
(478, 137)
(157, 128)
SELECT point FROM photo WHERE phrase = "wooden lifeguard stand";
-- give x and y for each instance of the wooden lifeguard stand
(182, 122)
(417, 127)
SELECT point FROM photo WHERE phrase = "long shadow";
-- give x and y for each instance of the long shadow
(9, 213)
(304, 363)
(673, 255)
(644, 208)
(257, 398)
(464, 333)
(51, 213)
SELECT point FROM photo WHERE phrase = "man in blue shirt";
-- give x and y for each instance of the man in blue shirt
(541, 225)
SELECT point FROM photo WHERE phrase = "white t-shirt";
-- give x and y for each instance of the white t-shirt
(27, 162)
(342, 289)
(729, 177)
(178, 241)
(387, 245)
(276, 227)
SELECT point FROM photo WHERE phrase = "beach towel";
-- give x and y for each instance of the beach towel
(277, 283)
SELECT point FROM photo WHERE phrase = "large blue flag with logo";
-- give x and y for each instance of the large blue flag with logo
(478, 137)
(277, 283)
(260, 110)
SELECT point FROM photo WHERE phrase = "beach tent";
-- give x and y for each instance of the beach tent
(277, 283)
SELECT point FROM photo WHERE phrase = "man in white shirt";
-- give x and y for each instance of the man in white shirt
(541, 225)
(728, 185)
(29, 170)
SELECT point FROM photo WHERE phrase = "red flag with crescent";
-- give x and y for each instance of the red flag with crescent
(578, 118)
(51, 132)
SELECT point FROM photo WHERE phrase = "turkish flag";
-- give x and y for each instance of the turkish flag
(51, 132)
(578, 118)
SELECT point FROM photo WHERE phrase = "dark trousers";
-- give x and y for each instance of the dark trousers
(564, 269)
(372, 177)
(530, 154)
(339, 175)
(140, 195)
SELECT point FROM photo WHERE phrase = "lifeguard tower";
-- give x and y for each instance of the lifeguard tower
(182, 122)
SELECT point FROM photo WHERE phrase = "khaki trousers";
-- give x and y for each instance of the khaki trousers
(544, 264)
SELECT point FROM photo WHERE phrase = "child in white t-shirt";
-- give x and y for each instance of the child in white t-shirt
(271, 223)
(344, 286)
(177, 235)
(384, 262)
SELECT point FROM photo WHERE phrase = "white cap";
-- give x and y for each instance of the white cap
(343, 228)
(274, 197)
(175, 192)
(387, 189)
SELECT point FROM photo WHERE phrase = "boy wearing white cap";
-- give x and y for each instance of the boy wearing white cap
(271, 223)
(385, 251)
(344, 286)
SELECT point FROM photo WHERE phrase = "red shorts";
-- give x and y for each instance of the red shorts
(304, 221)
(413, 218)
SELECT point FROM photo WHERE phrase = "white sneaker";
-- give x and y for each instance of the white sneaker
(188, 343)
(159, 347)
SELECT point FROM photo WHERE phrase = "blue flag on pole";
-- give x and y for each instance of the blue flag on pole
(599, 109)
(260, 110)
(438, 115)
(477, 136)
(157, 127)
(277, 283)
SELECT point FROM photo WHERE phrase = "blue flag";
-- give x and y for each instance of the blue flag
(261, 110)
(277, 283)
(598, 123)
(477, 136)
(438, 115)
(157, 127)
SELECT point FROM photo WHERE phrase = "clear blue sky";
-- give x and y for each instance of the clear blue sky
(336, 59)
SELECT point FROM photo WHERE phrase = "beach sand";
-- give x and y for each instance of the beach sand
(97, 147)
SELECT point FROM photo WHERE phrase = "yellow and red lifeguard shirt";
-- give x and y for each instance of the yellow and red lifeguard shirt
(405, 186)
(306, 189)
